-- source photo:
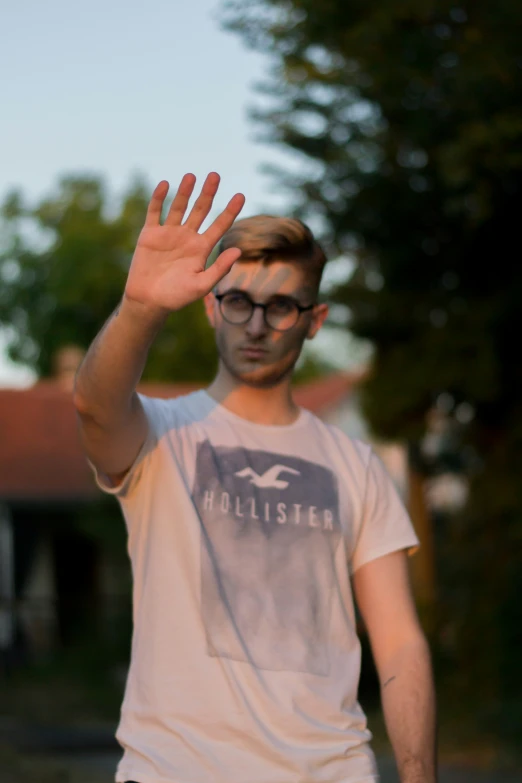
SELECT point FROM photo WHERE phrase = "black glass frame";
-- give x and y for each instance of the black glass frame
(264, 306)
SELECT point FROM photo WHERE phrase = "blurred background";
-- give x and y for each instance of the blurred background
(395, 132)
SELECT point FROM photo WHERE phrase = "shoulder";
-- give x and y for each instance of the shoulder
(353, 449)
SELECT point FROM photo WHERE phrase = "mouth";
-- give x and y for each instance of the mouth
(253, 352)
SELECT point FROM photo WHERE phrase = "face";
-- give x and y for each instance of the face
(253, 353)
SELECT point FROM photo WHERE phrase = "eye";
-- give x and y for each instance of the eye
(236, 301)
(282, 306)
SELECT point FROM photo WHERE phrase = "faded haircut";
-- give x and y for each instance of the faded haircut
(267, 238)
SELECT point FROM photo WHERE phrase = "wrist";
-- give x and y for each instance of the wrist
(148, 315)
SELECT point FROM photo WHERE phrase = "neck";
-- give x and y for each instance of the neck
(262, 405)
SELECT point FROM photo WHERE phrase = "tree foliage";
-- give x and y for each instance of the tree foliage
(406, 120)
(63, 266)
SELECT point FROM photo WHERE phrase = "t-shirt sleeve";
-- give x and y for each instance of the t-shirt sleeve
(131, 478)
(385, 526)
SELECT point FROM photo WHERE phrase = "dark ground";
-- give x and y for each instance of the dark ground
(51, 754)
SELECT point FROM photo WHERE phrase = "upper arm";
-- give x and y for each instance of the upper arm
(385, 600)
(112, 449)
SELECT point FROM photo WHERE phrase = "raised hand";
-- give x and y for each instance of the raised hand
(168, 267)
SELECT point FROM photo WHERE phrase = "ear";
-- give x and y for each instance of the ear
(210, 308)
(319, 316)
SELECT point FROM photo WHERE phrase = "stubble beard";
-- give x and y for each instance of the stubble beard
(270, 376)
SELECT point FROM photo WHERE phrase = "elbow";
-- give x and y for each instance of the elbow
(77, 393)
(79, 401)
(415, 643)
(83, 402)
(84, 406)
(410, 650)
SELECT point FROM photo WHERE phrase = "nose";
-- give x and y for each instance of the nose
(256, 326)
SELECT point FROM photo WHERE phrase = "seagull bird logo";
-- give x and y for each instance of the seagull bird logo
(269, 479)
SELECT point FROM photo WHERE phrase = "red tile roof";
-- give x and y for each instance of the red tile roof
(41, 458)
(321, 395)
(40, 452)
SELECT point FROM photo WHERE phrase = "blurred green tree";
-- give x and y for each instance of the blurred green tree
(405, 120)
(63, 266)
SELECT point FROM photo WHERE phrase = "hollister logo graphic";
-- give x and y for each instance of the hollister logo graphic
(268, 479)
(270, 526)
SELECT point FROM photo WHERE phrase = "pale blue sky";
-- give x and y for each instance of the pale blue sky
(114, 88)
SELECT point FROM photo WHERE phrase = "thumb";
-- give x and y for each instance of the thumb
(221, 267)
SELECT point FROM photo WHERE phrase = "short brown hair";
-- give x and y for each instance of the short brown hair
(267, 238)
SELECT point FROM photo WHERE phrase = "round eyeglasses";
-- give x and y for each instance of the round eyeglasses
(280, 313)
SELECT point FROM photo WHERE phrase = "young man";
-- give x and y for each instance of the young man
(248, 522)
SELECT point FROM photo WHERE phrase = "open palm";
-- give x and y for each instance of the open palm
(168, 267)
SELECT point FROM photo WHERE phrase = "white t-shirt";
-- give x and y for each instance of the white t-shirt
(242, 537)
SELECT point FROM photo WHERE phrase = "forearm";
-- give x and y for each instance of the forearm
(108, 376)
(408, 700)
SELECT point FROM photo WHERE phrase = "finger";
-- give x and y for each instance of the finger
(221, 267)
(156, 203)
(224, 221)
(181, 199)
(203, 204)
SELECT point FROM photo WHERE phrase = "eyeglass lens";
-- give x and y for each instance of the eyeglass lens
(280, 314)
